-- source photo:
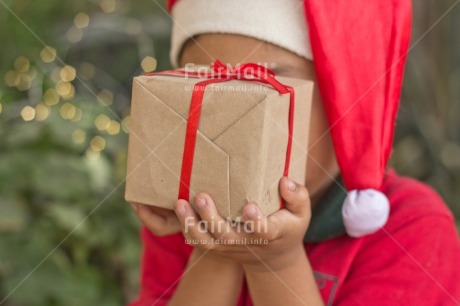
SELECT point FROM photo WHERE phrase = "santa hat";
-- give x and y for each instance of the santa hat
(358, 49)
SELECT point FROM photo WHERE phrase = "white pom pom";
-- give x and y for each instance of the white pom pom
(364, 212)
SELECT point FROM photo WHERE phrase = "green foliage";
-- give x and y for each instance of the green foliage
(67, 237)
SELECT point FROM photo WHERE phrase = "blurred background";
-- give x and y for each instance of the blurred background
(66, 235)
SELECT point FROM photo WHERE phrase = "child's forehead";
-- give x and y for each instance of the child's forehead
(237, 49)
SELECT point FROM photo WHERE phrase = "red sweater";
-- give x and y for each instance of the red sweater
(411, 261)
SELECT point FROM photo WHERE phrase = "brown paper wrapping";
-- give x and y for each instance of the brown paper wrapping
(241, 143)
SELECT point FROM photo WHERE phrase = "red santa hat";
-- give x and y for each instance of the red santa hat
(358, 49)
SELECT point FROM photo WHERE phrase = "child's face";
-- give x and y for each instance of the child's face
(236, 49)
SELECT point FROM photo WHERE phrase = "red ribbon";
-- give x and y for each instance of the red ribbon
(221, 73)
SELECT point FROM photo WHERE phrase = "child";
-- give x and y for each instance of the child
(392, 243)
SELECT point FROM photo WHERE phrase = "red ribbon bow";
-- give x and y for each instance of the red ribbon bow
(221, 73)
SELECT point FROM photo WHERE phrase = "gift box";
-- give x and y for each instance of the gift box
(230, 136)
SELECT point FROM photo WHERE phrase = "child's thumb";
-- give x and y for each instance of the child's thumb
(296, 197)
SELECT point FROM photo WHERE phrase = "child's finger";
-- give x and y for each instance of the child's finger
(194, 230)
(255, 221)
(296, 197)
(217, 226)
(157, 224)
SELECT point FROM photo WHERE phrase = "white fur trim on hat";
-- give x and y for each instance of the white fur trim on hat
(280, 22)
(364, 212)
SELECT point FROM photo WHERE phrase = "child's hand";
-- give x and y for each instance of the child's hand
(274, 241)
(159, 221)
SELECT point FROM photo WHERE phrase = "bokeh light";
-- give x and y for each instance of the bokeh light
(41, 112)
(55, 75)
(105, 97)
(108, 6)
(28, 113)
(67, 73)
(97, 144)
(78, 136)
(149, 64)
(51, 97)
(32, 73)
(102, 122)
(81, 20)
(125, 124)
(25, 81)
(67, 111)
(78, 115)
(12, 78)
(48, 54)
(113, 128)
(22, 64)
(63, 88)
